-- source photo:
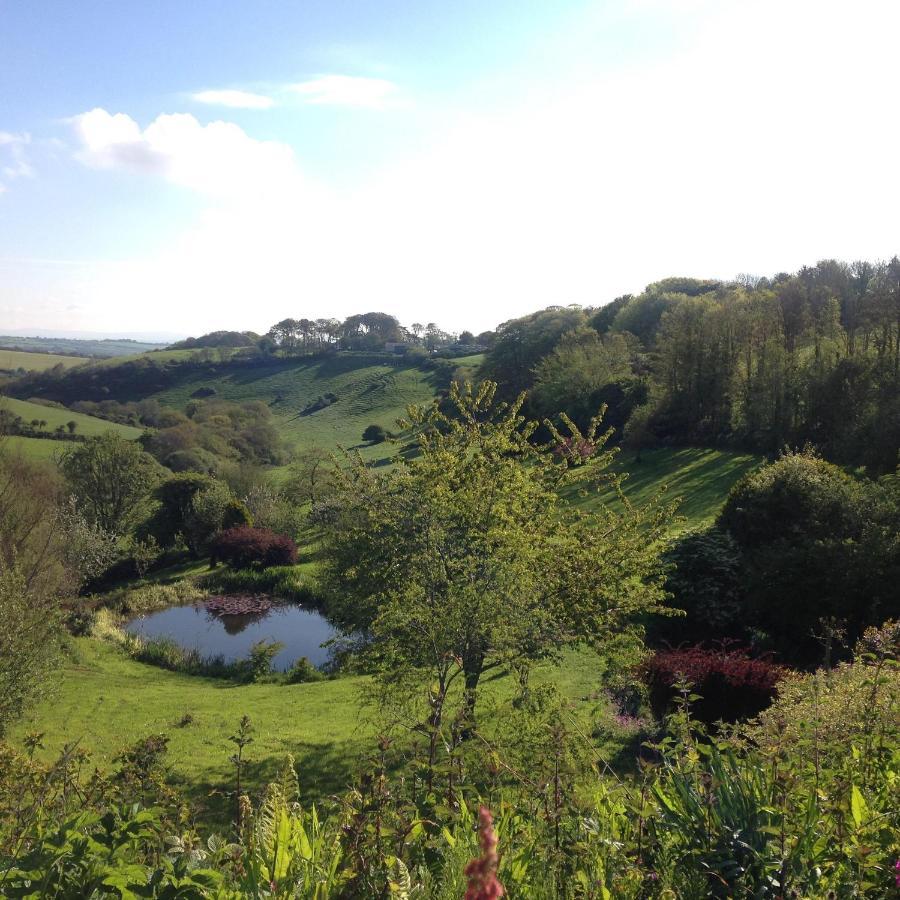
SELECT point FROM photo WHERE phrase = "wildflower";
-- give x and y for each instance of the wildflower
(482, 872)
(897, 870)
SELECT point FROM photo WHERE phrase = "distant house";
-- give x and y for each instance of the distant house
(395, 347)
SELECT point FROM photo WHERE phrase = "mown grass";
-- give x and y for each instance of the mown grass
(90, 426)
(106, 701)
(11, 360)
(700, 477)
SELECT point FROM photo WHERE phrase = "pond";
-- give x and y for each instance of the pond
(302, 631)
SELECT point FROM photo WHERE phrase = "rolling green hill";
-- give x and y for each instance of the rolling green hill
(699, 476)
(11, 360)
(368, 389)
(79, 347)
(89, 426)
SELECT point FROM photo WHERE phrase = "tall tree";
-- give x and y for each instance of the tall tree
(109, 477)
(466, 558)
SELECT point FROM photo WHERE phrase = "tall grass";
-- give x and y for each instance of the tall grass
(281, 582)
(169, 654)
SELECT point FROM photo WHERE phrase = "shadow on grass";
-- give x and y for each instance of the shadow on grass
(323, 770)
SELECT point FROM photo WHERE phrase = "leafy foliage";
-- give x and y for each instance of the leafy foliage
(465, 558)
(110, 477)
(30, 642)
(815, 545)
(244, 548)
(729, 683)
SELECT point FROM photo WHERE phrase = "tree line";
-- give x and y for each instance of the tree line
(757, 363)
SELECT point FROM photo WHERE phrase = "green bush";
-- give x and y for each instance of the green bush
(303, 671)
(259, 662)
(818, 549)
(705, 581)
(375, 434)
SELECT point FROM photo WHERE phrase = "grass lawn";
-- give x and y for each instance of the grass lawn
(90, 426)
(699, 476)
(106, 701)
(36, 362)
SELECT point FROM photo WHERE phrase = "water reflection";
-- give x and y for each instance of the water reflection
(302, 631)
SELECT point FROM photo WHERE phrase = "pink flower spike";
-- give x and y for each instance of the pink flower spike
(482, 872)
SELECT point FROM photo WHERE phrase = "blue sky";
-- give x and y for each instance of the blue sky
(182, 167)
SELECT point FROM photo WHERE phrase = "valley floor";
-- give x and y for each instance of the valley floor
(106, 701)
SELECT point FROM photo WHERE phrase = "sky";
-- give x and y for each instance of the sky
(174, 168)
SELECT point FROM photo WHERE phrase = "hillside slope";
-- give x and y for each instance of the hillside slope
(13, 360)
(366, 389)
(89, 426)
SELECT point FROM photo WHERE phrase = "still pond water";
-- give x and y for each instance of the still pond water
(302, 631)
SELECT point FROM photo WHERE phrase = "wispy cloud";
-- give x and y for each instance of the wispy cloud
(13, 158)
(346, 90)
(234, 99)
(218, 159)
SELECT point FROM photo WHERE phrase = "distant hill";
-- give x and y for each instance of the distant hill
(100, 348)
(55, 416)
(316, 401)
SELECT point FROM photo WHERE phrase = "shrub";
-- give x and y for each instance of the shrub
(375, 434)
(815, 545)
(259, 662)
(244, 547)
(30, 641)
(705, 582)
(303, 671)
(729, 683)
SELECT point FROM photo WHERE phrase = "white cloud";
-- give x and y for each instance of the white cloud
(346, 90)
(234, 99)
(13, 158)
(760, 144)
(218, 159)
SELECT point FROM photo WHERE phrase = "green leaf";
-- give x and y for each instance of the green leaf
(858, 808)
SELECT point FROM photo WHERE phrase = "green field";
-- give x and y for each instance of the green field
(89, 426)
(78, 347)
(700, 477)
(368, 391)
(10, 360)
(106, 701)
(37, 449)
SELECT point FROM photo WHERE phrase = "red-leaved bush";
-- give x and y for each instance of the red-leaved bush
(730, 683)
(244, 547)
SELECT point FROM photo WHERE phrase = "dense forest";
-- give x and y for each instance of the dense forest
(761, 363)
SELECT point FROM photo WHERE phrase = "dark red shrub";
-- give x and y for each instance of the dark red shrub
(731, 685)
(244, 547)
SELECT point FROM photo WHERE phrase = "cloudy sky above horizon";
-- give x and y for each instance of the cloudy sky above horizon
(179, 168)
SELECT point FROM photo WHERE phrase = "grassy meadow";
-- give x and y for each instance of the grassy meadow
(10, 360)
(700, 477)
(368, 391)
(106, 701)
(35, 449)
(89, 426)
